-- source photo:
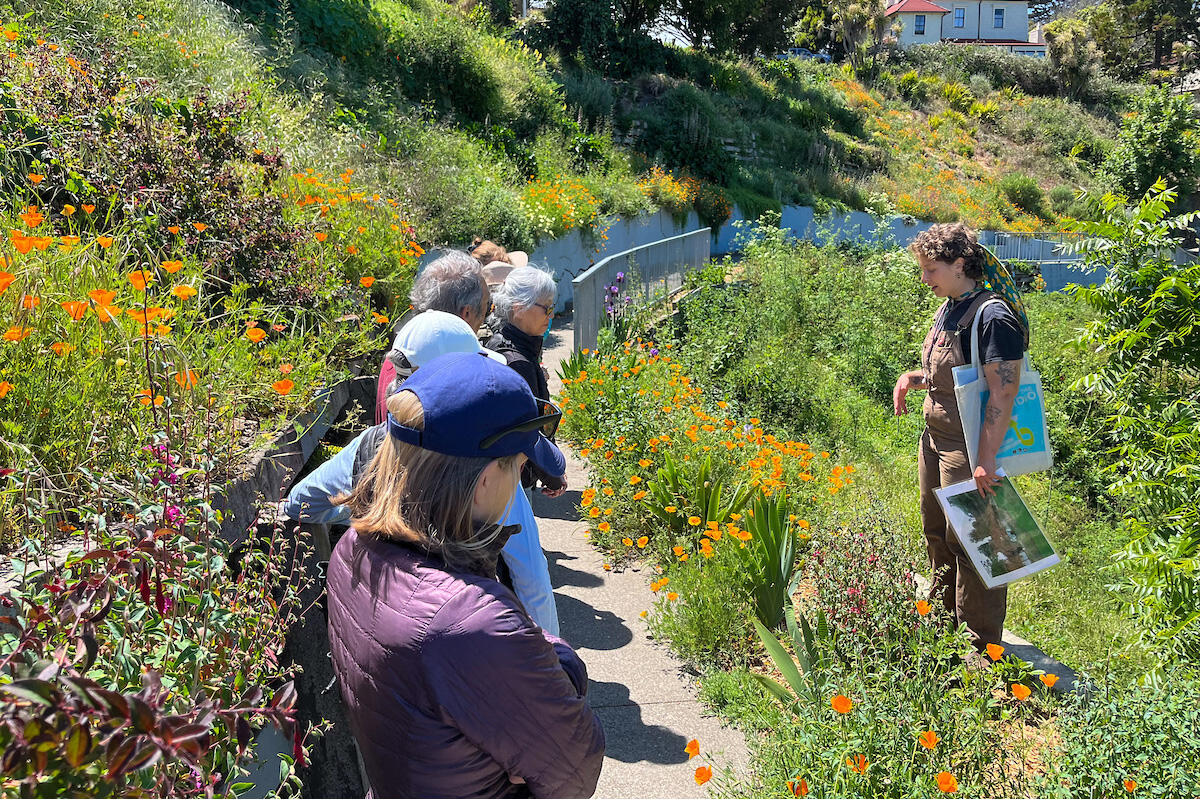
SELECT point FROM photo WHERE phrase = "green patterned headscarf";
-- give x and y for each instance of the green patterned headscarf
(998, 279)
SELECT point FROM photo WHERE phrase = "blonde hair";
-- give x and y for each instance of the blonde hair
(414, 495)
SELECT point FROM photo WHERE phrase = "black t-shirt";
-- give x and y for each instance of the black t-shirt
(1000, 335)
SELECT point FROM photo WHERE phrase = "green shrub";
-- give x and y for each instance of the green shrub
(958, 96)
(1159, 139)
(1024, 193)
(1121, 739)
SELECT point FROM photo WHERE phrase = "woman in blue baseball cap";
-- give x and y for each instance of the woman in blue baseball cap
(451, 689)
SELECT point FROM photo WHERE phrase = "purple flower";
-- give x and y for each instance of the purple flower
(653, 351)
(620, 277)
(173, 514)
(628, 300)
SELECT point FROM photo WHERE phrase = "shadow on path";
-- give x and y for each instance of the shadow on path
(565, 576)
(628, 737)
(565, 506)
(584, 626)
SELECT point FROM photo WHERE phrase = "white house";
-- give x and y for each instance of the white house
(987, 23)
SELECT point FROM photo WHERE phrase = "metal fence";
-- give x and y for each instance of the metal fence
(1044, 246)
(652, 270)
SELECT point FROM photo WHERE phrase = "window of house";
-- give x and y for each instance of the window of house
(960, 17)
(919, 25)
(998, 18)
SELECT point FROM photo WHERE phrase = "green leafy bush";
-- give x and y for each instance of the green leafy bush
(1024, 193)
(1160, 138)
(958, 96)
(1149, 321)
(1121, 739)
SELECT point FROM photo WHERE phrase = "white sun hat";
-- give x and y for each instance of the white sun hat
(434, 333)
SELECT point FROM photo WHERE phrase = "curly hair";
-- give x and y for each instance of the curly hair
(948, 242)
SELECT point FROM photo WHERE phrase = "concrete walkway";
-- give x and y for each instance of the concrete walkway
(645, 699)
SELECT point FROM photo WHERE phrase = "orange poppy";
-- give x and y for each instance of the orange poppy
(635, 479)
(88, 207)
(366, 281)
(183, 292)
(627, 542)
(923, 607)
(172, 266)
(947, 783)
(29, 301)
(61, 348)
(16, 333)
(75, 309)
(32, 217)
(173, 229)
(672, 597)
(995, 651)
(321, 236)
(6, 280)
(703, 775)
(858, 764)
(5, 388)
(380, 319)
(1020, 691)
(693, 520)
(841, 703)
(35, 179)
(1049, 679)
(146, 315)
(187, 379)
(200, 227)
(283, 386)
(928, 740)
(107, 313)
(692, 748)
(21, 242)
(42, 242)
(798, 788)
(68, 209)
(104, 241)
(10, 35)
(604, 527)
(1130, 785)
(139, 279)
(286, 368)
(256, 334)
(642, 542)
(639, 495)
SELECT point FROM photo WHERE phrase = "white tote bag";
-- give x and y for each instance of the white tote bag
(1026, 445)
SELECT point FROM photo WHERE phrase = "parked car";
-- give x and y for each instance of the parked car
(801, 52)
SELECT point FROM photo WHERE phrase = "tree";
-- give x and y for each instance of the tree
(1160, 25)
(860, 26)
(1074, 57)
(1113, 38)
(741, 27)
(1160, 138)
(601, 32)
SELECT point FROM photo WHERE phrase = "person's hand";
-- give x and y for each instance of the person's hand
(556, 492)
(904, 384)
(986, 478)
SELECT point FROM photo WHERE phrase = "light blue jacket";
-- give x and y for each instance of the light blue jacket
(310, 501)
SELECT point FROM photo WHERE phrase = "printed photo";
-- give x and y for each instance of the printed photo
(999, 533)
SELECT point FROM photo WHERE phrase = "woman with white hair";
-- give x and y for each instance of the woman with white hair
(525, 307)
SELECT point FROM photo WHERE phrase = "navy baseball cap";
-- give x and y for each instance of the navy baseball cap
(476, 407)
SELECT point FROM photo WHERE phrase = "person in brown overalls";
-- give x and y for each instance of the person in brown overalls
(951, 263)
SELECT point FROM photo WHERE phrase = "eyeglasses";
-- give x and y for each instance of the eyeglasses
(548, 309)
(547, 422)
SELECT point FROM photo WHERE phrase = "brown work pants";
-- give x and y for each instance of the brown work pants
(942, 462)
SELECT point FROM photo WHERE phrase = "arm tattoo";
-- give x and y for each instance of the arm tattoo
(1007, 371)
(992, 415)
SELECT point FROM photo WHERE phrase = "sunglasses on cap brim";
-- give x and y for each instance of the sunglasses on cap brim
(546, 422)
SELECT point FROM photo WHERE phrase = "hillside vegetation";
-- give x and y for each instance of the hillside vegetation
(490, 130)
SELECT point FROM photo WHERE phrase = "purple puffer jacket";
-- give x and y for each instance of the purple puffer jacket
(451, 690)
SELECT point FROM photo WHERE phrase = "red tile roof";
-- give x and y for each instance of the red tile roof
(915, 7)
